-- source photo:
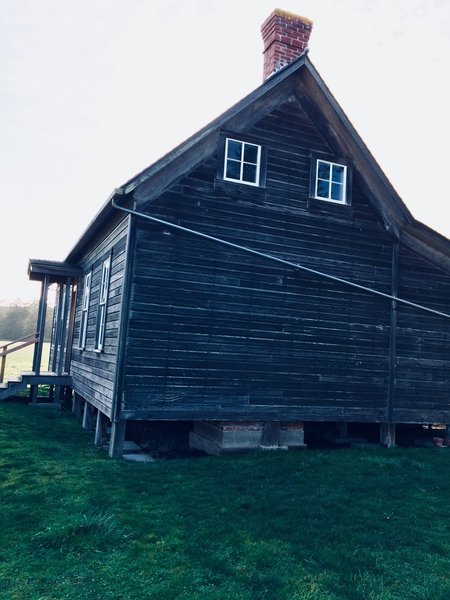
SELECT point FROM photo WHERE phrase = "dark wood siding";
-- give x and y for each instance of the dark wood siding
(93, 372)
(422, 391)
(216, 333)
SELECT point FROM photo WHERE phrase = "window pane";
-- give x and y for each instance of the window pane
(242, 162)
(337, 191)
(233, 170)
(323, 170)
(82, 340)
(251, 153)
(323, 188)
(338, 173)
(234, 149)
(249, 173)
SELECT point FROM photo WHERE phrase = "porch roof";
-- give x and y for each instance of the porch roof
(56, 271)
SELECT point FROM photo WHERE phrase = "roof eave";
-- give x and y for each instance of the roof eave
(428, 243)
(315, 97)
(299, 78)
(188, 153)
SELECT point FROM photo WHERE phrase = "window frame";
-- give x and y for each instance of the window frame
(261, 164)
(314, 179)
(85, 304)
(102, 304)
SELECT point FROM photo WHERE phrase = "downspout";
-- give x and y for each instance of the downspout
(123, 321)
(286, 263)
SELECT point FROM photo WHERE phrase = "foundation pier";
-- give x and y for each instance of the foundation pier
(117, 439)
(387, 435)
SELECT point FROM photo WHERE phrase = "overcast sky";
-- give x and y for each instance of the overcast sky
(94, 91)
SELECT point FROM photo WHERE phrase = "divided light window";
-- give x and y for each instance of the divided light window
(102, 305)
(85, 310)
(330, 181)
(242, 162)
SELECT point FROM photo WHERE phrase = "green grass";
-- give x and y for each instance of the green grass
(313, 525)
(22, 360)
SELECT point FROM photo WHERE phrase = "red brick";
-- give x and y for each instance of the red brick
(285, 36)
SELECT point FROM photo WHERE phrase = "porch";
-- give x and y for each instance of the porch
(57, 372)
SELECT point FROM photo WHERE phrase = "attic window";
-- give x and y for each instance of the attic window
(242, 162)
(330, 181)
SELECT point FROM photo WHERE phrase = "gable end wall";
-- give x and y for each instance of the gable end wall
(215, 334)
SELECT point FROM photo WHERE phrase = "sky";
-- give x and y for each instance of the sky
(94, 91)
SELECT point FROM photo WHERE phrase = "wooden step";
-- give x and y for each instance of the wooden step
(11, 387)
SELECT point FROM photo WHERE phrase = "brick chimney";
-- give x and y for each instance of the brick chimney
(285, 36)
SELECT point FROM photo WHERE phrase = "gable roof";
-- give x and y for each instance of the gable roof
(299, 80)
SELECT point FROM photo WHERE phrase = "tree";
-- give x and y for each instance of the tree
(18, 320)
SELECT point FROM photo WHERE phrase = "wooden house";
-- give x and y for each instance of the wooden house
(261, 276)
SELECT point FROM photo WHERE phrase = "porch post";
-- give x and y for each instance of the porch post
(57, 327)
(71, 326)
(42, 312)
(63, 326)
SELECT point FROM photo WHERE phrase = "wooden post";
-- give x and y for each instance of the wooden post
(393, 335)
(387, 435)
(57, 393)
(57, 329)
(117, 438)
(88, 416)
(124, 318)
(342, 429)
(100, 429)
(3, 364)
(71, 327)
(42, 311)
(76, 404)
(63, 329)
(67, 396)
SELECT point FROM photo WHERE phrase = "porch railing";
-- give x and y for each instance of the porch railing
(11, 347)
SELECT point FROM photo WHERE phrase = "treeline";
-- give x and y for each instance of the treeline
(18, 320)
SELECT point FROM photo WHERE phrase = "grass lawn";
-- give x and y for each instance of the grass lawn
(312, 525)
(22, 360)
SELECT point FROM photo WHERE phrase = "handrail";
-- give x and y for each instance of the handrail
(27, 340)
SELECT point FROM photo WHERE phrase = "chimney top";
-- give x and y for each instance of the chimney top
(285, 37)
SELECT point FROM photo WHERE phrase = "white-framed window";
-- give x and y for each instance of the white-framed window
(242, 162)
(330, 181)
(85, 310)
(102, 305)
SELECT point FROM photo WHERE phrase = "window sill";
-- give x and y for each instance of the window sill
(329, 207)
(251, 191)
